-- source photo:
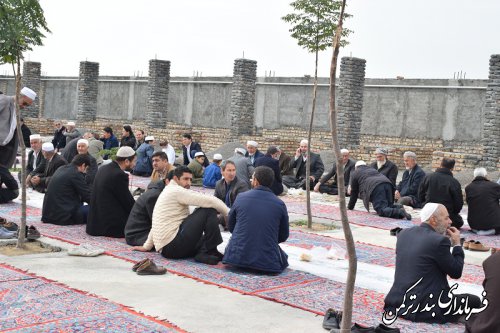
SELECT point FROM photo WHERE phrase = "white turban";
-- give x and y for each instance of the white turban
(252, 143)
(358, 163)
(428, 210)
(48, 147)
(85, 141)
(28, 93)
(35, 137)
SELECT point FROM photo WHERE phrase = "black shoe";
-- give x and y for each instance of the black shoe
(356, 328)
(215, 253)
(332, 319)
(206, 258)
(381, 328)
(405, 214)
(395, 231)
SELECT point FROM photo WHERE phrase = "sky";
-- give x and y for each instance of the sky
(413, 39)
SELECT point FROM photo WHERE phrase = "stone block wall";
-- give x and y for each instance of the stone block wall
(158, 87)
(31, 78)
(491, 123)
(243, 97)
(87, 91)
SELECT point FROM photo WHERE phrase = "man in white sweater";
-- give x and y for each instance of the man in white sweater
(177, 234)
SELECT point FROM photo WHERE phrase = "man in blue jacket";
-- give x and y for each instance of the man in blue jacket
(258, 222)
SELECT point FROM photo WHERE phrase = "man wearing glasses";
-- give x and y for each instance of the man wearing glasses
(59, 140)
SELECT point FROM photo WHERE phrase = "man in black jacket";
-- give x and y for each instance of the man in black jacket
(82, 147)
(376, 188)
(67, 190)
(407, 189)
(35, 156)
(299, 163)
(59, 140)
(322, 187)
(441, 187)
(40, 177)
(270, 159)
(111, 200)
(423, 262)
(384, 166)
(189, 148)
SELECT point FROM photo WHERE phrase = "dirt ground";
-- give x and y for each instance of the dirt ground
(302, 225)
(30, 248)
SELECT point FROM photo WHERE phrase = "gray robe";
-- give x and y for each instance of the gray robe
(9, 140)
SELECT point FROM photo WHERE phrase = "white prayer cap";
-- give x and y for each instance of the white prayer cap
(252, 143)
(149, 138)
(199, 153)
(28, 93)
(358, 163)
(71, 123)
(218, 157)
(382, 151)
(48, 146)
(242, 151)
(304, 142)
(344, 151)
(125, 151)
(85, 141)
(35, 137)
(428, 210)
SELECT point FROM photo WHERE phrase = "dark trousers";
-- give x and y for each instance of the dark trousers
(199, 233)
(329, 189)
(456, 220)
(7, 195)
(292, 182)
(382, 199)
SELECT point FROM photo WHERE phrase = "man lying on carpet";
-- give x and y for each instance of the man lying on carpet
(256, 233)
(376, 188)
(423, 261)
(177, 234)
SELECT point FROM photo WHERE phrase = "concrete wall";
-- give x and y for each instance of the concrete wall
(434, 109)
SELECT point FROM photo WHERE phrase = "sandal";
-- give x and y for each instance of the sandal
(466, 244)
(478, 246)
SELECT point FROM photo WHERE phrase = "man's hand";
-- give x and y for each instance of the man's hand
(349, 190)
(454, 235)
(35, 180)
(316, 187)
(28, 180)
(397, 196)
(297, 153)
(139, 248)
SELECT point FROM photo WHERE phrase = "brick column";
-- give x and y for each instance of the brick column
(87, 91)
(158, 86)
(350, 101)
(32, 79)
(491, 120)
(243, 97)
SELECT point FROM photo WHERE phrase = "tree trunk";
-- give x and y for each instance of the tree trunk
(351, 251)
(22, 227)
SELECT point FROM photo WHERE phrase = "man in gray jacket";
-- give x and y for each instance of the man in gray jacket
(244, 168)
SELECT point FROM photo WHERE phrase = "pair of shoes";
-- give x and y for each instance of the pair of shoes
(148, 267)
(478, 246)
(332, 319)
(396, 231)
(7, 234)
(11, 226)
(381, 328)
(206, 258)
(85, 250)
(32, 233)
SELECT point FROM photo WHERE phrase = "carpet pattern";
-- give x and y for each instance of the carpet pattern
(32, 304)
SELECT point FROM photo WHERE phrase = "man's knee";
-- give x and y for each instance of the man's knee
(407, 201)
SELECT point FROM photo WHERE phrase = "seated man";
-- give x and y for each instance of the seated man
(423, 262)
(161, 166)
(190, 148)
(177, 234)
(83, 149)
(169, 150)
(376, 188)
(35, 156)
(11, 189)
(299, 163)
(384, 166)
(253, 153)
(59, 140)
(141, 216)
(441, 187)
(71, 132)
(270, 159)
(144, 164)
(95, 146)
(228, 188)
(40, 177)
(212, 173)
(196, 167)
(488, 321)
(483, 197)
(285, 162)
(407, 189)
(244, 168)
(111, 200)
(258, 222)
(70, 150)
(108, 139)
(62, 204)
(322, 185)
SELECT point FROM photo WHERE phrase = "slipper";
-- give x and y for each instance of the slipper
(150, 268)
(11, 226)
(467, 243)
(138, 264)
(478, 246)
(395, 231)
(32, 233)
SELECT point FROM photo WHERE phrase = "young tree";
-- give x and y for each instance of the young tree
(313, 26)
(21, 28)
(351, 250)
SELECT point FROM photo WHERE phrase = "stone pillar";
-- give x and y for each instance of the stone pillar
(350, 101)
(243, 97)
(87, 91)
(32, 79)
(158, 86)
(491, 120)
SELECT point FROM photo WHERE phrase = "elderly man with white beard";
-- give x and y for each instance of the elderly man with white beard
(384, 166)
(407, 189)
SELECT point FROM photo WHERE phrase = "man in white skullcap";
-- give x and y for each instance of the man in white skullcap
(35, 156)
(212, 173)
(323, 187)
(423, 262)
(82, 146)
(189, 148)
(40, 177)
(299, 163)
(253, 152)
(111, 200)
(244, 168)
(71, 132)
(384, 166)
(9, 140)
(196, 167)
